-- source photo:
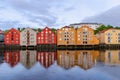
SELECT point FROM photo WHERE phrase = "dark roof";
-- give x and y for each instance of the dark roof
(86, 23)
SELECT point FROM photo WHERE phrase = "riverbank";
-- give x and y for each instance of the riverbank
(62, 47)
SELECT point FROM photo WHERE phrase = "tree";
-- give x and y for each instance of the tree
(53, 30)
(102, 27)
(18, 29)
(39, 30)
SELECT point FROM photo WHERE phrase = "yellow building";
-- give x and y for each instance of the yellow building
(109, 36)
(66, 36)
(111, 57)
(82, 58)
(85, 36)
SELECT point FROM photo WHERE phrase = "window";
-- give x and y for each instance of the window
(109, 34)
(109, 41)
(119, 41)
(85, 42)
(84, 32)
(49, 31)
(108, 37)
(118, 34)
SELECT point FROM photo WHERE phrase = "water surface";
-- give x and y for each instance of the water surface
(60, 65)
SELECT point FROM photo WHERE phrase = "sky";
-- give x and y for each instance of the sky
(51, 13)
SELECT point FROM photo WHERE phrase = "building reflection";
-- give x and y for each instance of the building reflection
(82, 58)
(28, 58)
(46, 59)
(110, 57)
(1, 56)
(12, 57)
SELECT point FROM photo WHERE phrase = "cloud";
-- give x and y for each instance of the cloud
(53, 13)
(110, 17)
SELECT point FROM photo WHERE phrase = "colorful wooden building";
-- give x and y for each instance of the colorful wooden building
(109, 36)
(66, 36)
(46, 37)
(28, 37)
(12, 37)
(85, 36)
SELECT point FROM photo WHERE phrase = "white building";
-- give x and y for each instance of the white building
(92, 25)
(28, 37)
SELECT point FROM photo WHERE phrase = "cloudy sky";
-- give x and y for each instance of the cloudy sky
(52, 13)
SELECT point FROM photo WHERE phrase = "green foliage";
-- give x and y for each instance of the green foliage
(22, 29)
(102, 27)
(6, 31)
(39, 30)
(53, 30)
(18, 29)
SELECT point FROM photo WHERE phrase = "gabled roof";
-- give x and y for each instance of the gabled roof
(66, 27)
(12, 29)
(106, 30)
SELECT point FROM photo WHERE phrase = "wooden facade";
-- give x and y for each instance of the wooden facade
(46, 36)
(12, 37)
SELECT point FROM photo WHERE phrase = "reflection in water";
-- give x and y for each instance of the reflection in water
(84, 59)
(71, 65)
(12, 58)
(110, 57)
(65, 58)
(28, 58)
(46, 58)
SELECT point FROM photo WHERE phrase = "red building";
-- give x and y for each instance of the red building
(46, 58)
(46, 36)
(12, 37)
(12, 58)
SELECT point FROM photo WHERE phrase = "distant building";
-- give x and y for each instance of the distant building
(12, 37)
(28, 37)
(1, 37)
(109, 36)
(46, 36)
(85, 36)
(66, 36)
(91, 25)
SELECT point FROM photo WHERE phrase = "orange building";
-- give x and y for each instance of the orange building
(66, 36)
(85, 36)
(109, 36)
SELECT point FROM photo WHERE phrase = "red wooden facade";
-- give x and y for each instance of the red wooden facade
(12, 58)
(46, 36)
(12, 37)
(46, 58)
